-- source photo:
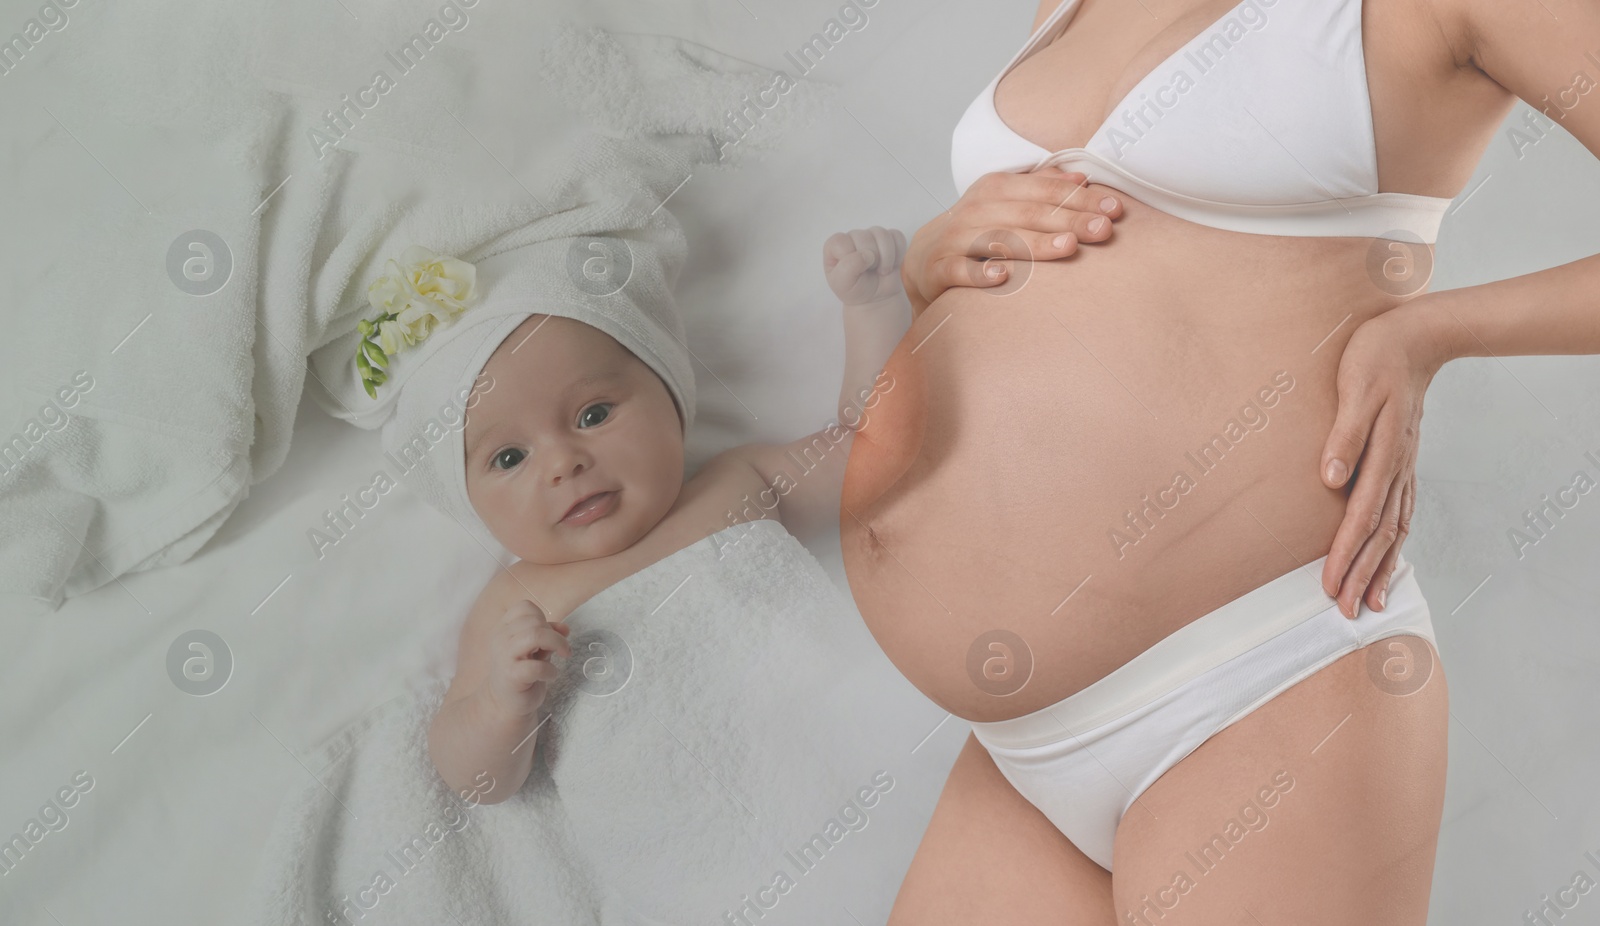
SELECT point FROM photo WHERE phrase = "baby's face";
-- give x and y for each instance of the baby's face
(572, 413)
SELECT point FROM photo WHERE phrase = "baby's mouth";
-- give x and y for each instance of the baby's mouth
(591, 508)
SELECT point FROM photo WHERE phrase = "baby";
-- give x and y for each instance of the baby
(575, 463)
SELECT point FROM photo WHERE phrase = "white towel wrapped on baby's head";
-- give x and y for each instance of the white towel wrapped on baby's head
(606, 252)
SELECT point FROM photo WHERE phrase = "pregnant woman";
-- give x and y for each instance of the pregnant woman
(1135, 515)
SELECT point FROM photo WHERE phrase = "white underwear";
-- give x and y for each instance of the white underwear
(1084, 760)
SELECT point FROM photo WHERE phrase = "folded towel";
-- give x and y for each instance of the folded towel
(161, 447)
(699, 741)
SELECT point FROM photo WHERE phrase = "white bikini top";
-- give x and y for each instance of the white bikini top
(1260, 124)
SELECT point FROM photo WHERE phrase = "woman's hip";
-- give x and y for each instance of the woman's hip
(1087, 759)
(1320, 806)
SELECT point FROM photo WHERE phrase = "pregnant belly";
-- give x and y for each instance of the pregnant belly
(1053, 479)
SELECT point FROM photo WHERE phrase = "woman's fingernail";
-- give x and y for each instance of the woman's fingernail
(1060, 241)
(1336, 471)
(1097, 225)
(1383, 593)
(1108, 204)
(993, 271)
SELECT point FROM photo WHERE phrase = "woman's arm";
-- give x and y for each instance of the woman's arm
(1383, 375)
(1554, 311)
(1547, 52)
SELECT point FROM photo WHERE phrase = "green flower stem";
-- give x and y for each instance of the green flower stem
(370, 356)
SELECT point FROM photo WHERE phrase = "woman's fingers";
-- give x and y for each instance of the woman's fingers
(1073, 191)
(1012, 231)
(1355, 420)
(1065, 190)
(991, 256)
(1046, 200)
(1376, 552)
(955, 270)
(1010, 244)
(1378, 591)
(1379, 463)
(984, 273)
(1349, 436)
(1059, 189)
(1088, 226)
(1031, 217)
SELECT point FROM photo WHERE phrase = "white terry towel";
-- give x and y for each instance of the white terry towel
(699, 741)
(145, 413)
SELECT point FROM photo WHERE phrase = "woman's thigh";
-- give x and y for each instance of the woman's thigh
(1322, 806)
(988, 856)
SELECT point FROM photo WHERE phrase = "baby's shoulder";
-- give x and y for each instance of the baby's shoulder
(725, 490)
(728, 477)
(727, 471)
(780, 468)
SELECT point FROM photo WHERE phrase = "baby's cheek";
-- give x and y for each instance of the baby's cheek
(505, 523)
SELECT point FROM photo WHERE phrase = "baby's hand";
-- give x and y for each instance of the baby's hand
(519, 659)
(863, 265)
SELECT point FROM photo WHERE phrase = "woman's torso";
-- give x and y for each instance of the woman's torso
(1023, 429)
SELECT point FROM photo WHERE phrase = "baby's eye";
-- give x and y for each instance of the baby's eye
(507, 458)
(594, 414)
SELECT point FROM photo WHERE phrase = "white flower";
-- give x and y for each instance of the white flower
(421, 290)
(391, 336)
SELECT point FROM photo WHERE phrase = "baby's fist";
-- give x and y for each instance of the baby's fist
(520, 668)
(863, 265)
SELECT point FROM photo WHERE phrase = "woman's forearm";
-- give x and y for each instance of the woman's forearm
(1554, 311)
(469, 740)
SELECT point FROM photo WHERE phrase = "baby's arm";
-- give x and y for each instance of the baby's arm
(863, 269)
(480, 738)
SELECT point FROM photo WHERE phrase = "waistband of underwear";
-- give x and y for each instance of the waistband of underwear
(1209, 641)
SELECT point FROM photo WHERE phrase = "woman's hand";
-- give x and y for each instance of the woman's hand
(1384, 372)
(1002, 218)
